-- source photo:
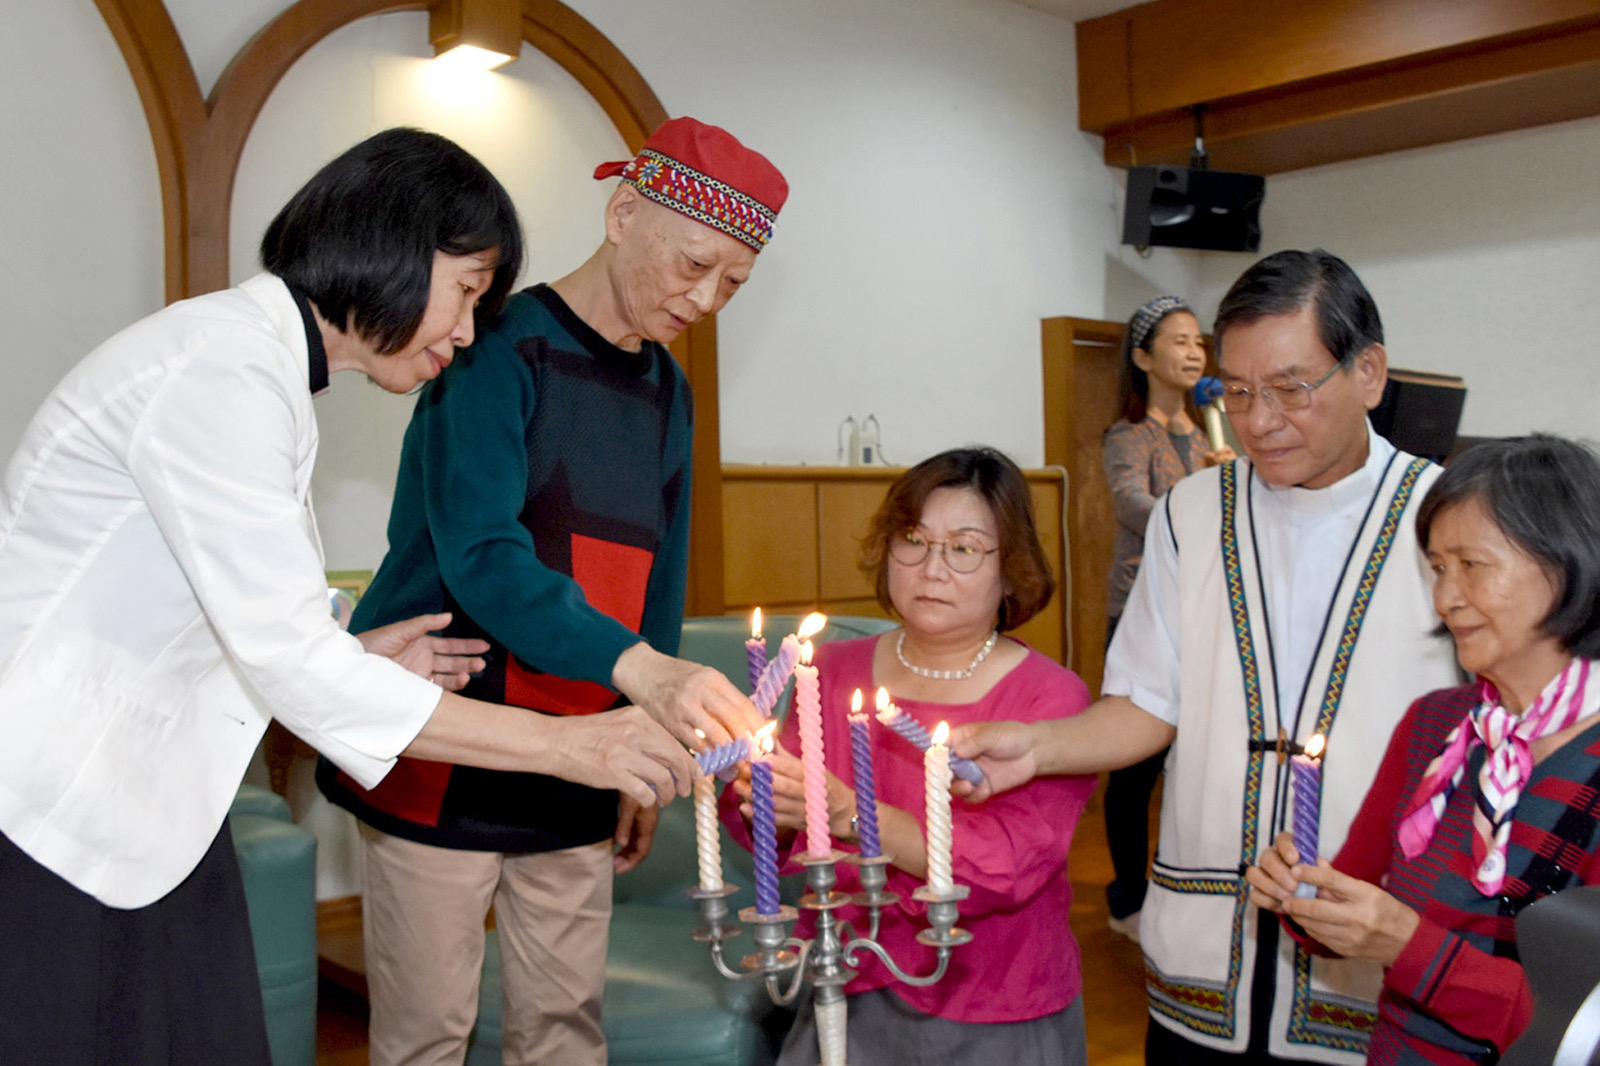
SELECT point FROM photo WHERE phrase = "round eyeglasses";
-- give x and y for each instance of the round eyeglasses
(1282, 396)
(963, 552)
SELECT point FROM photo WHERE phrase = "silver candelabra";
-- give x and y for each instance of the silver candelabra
(826, 960)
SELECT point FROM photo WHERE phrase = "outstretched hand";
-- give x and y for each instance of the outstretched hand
(622, 749)
(689, 700)
(1004, 751)
(448, 662)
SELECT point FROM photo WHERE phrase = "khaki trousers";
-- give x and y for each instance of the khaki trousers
(423, 916)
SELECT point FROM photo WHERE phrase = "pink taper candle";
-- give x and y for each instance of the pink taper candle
(813, 774)
(936, 771)
(755, 650)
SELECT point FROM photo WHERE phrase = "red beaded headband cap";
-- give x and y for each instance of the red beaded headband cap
(704, 172)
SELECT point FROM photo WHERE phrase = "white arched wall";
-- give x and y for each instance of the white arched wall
(80, 200)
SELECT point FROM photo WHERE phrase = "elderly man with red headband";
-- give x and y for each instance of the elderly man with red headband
(543, 499)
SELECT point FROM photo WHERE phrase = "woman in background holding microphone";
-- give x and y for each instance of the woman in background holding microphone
(1155, 444)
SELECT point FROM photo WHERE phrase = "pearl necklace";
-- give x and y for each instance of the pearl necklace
(945, 675)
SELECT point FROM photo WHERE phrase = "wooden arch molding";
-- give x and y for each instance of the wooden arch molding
(199, 142)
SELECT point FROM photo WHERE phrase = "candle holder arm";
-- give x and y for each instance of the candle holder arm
(802, 949)
(722, 967)
(900, 975)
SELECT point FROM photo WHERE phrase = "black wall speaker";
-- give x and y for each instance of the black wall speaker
(1181, 207)
(1420, 412)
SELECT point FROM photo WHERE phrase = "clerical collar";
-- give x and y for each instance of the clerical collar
(316, 352)
(1350, 490)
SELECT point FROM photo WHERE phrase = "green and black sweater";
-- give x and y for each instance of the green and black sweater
(543, 498)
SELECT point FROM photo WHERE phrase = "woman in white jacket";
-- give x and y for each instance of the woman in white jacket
(162, 597)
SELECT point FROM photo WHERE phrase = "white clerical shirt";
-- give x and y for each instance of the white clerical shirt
(1304, 538)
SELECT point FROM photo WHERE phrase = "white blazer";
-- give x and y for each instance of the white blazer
(162, 597)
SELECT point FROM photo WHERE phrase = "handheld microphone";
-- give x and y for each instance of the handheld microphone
(1208, 397)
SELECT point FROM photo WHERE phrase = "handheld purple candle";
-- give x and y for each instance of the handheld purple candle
(912, 730)
(1305, 773)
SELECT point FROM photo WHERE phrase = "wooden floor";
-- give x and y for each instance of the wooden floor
(1113, 974)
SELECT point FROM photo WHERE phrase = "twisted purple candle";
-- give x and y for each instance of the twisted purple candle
(776, 675)
(766, 835)
(1305, 773)
(723, 756)
(909, 728)
(1307, 795)
(866, 789)
(755, 653)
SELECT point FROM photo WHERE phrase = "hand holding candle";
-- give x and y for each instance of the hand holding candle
(910, 729)
(722, 757)
(936, 775)
(1305, 775)
(866, 788)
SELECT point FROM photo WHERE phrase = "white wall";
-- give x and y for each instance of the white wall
(80, 214)
(1483, 257)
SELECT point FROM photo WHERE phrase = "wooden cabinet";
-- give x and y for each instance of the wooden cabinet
(791, 539)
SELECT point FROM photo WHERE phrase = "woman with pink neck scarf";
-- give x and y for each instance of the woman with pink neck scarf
(1484, 800)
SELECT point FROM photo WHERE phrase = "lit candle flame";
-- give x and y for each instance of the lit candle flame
(1314, 746)
(763, 738)
(811, 625)
(805, 652)
(942, 733)
(755, 624)
(855, 702)
(883, 699)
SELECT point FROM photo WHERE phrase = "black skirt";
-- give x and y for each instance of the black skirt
(170, 984)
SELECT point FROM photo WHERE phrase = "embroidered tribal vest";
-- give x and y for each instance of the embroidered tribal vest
(1227, 789)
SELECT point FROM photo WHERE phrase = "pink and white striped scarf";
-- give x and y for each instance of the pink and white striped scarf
(1505, 772)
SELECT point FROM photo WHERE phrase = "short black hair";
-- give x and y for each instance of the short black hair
(359, 238)
(1544, 494)
(1024, 568)
(1284, 282)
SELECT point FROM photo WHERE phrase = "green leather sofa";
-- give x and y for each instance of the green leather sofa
(278, 860)
(665, 1004)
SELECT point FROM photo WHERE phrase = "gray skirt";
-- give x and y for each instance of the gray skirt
(882, 1031)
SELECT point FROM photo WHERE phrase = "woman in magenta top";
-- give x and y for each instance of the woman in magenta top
(957, 558)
